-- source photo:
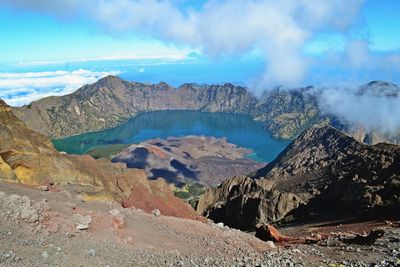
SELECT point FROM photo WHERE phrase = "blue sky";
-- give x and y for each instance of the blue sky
(257, 43)
(33, 36)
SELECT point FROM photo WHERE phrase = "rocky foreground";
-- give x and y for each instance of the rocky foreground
(62, 210)
(43, 228)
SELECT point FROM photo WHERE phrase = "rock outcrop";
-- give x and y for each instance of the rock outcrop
(206, 160)
(287, 112)
(29, 158)
(323, 174)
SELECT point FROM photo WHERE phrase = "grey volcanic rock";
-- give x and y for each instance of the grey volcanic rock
(206, 160)
(323, 174)
(111, 101)
(287, 112)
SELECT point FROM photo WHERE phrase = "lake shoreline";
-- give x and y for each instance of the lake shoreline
(241, 130)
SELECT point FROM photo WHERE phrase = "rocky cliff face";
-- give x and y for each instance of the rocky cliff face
(287, 112)
(28, 158)
(111, 101)
(323, 174)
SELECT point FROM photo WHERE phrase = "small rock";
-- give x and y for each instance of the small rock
(268, 232)
(271, 244)
(45, 255)
(70, 205)
(82, 222)
(220, 225)
(43, 187)
(80, 198)
(128, 240)
(156, 212)
(59, 249)
(296, 250)
(114, 212)
(91, 252)
(82, 226)
(118, 219)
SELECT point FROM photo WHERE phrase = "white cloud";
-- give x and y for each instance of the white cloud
(357, 54)
(279, 29)
(164, 57)
(374, 112)
(22, 88)
(358, 57)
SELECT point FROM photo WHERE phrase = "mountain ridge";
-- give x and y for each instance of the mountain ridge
(322, 173)
(111, 101)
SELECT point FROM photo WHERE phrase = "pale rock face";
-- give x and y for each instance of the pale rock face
(77, 110)
(19, 208)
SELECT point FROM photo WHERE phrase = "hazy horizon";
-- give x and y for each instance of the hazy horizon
(260, 44)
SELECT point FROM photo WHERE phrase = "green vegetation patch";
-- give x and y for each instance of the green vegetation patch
(107, 151)
(189, 191)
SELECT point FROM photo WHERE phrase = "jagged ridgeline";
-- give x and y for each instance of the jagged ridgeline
(323, 175)
(111, 101)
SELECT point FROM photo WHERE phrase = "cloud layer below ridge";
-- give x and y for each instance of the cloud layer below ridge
(21, 88)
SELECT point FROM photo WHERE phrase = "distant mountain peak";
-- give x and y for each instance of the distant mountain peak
(382, 83)
(163, 84)
(110, 83)
(110, 77)
(109, 80)
(380, 88)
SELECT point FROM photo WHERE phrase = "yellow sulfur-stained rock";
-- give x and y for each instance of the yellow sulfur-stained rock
(29, 158)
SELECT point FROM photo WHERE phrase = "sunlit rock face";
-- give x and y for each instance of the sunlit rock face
(28, 158)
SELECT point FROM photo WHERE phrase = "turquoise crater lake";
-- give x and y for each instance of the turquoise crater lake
(238, 129)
